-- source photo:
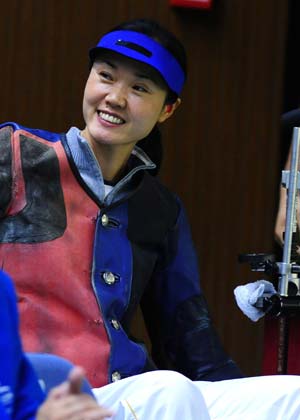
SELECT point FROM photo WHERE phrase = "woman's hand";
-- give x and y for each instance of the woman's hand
(281, 217)
(67, 402)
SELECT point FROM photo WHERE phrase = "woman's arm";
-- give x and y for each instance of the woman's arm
(181, 318)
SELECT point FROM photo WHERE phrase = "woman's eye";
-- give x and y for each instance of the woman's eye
(140, 88)
(105, 75)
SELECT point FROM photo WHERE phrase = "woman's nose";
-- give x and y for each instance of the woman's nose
(117, 97)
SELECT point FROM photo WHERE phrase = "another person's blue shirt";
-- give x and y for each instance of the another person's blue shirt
(20, 393)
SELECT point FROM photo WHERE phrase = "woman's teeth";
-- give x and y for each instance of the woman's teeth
(110, 118)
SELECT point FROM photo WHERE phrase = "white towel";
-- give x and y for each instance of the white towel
(246, 296)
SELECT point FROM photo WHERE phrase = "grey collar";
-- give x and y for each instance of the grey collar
(91, 173)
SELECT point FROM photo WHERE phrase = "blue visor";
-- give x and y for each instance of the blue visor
(142, 48)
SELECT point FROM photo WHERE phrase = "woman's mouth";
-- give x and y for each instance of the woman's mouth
(110, 118)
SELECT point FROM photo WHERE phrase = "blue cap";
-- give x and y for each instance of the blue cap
(142, 48)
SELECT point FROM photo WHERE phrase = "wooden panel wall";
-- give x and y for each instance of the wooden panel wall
(222, 150)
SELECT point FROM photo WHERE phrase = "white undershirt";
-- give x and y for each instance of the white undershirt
(107, 189)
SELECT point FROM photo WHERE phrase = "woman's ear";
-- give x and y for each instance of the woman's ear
(168, 110)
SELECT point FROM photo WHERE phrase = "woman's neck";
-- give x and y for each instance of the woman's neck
(112, 160)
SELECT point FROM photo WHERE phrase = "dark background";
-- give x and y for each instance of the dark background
(223, 151)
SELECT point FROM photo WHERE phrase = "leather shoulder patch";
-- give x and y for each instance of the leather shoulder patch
(43, 216)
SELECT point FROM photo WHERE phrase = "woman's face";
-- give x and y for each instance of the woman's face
(121, 103)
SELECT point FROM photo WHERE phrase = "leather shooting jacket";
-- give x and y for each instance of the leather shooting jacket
(81, 266)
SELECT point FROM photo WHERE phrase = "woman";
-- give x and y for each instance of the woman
(87, 232)
(97, 234)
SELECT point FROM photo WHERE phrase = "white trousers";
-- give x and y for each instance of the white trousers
(166, 395)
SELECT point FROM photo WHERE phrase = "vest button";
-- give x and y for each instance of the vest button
(116, 376)
(109, 278)
(115, 324)
(104, 220)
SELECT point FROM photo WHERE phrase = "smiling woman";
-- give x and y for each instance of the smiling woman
(114, 237)
(121, 105)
